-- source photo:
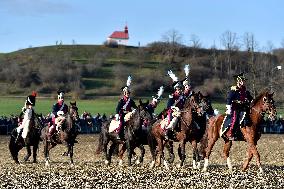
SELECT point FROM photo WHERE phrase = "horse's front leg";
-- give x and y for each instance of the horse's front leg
(70, 150)
(182, 153)
(105, 144)
(252, 151)
(129, 150)
(195, 155)
(35, 148)
(46, 152)
(141, 158)
(226, 153)
(120, 154)
(170, 148)
(29, 153)
(246, 163)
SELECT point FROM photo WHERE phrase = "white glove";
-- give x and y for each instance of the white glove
(133, 111)
(228, 109)
(116, 117)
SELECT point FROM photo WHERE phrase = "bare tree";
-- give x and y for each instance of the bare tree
(214, 58)
(230, 43)
(173, 39)
(250, 47)
(195, 44)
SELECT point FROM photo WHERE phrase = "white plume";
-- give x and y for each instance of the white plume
(186, 70)
(128, 82)
(172, 75)
(160, 92)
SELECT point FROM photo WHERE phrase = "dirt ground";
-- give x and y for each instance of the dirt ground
(90, 172)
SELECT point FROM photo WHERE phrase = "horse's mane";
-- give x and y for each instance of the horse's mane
(253, 103)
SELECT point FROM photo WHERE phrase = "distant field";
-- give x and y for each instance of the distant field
(107, 105)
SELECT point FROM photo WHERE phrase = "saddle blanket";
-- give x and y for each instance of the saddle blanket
(114, 124)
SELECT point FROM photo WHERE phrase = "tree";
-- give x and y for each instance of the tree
(230, 43)
(173, 39)
(250, 47)
(195, 44)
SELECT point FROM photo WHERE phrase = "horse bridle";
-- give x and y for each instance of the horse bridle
(267, 110)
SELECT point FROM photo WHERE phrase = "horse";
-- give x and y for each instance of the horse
(182, 131)
(137, 134)
(33, 139)
(251, 132)
(66, 134)
(105, 136)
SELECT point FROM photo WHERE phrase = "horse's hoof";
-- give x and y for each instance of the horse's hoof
(47, 164)
(71, 164)
(166, 165)
(204, 170)
(152, 164)
(120, 163)
(137, 162)
(178, 166)
(107, 162)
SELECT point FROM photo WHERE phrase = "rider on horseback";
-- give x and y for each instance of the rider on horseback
(125, 104)
(238, 102)
(59, 109)
(175, 104)
(28, 112)
(156, 99)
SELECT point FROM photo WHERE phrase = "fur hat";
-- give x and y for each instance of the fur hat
(126, 88)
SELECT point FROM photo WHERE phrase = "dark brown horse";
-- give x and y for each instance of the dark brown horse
(33, 139)
(182, 131)
(131, 127)
(137, 134)
(66, 134)
(263, 104)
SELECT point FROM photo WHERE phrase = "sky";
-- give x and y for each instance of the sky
(32, 23)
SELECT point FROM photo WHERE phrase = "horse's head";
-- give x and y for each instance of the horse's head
(205, 102)
(265, 103)
(195, 103)
(73, 111)
(143, 112)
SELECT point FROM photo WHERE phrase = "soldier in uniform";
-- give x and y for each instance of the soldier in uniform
(59, 109)
(175, 103)
(125, 105)
(156, 99)
(238, 102)
(29, 114)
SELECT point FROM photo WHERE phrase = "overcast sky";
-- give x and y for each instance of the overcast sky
(25, 23)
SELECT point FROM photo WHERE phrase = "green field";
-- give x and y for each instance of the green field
(107, 105)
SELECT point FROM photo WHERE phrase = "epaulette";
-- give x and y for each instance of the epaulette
(233, 88)
(171, 96)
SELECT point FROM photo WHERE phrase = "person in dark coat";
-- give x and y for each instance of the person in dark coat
(124, 106)
(237, 105)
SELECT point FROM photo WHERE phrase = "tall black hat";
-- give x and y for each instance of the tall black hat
(31, 100)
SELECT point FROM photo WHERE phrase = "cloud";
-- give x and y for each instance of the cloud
(34, 7)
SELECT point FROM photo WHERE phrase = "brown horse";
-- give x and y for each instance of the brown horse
(251, 132)
(66, 135)
(181, 133)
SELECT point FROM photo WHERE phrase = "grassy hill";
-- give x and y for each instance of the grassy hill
(88, 71)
